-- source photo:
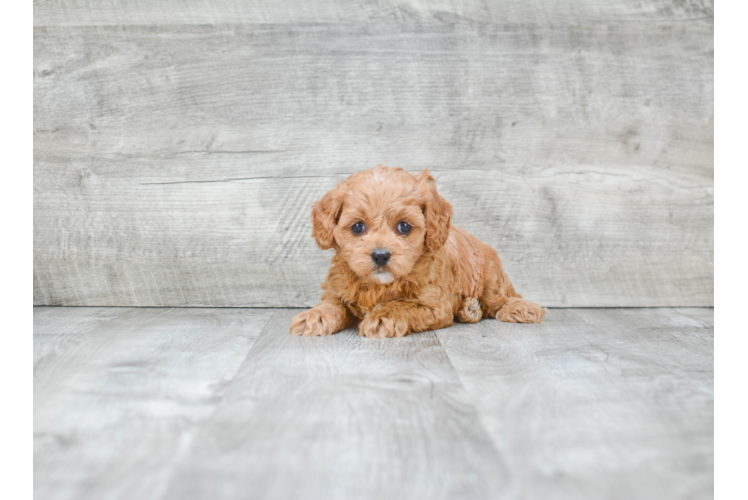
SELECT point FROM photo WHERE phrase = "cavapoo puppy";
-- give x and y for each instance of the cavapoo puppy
(399, 266)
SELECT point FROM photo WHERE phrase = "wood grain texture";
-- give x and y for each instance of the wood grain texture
(167, 12)
(599, 403)
(566, 237)
(73, 320)
(343, 417)
(198, 404)
(337, 417)
(116, 406)
(176, 160)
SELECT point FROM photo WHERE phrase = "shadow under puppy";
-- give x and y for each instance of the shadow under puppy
(399, 266)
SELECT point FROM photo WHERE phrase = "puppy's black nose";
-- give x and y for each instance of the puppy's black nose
(380, 257)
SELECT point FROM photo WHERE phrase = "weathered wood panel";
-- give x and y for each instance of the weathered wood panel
(175, 164)
(167, 12)
(343, 417)
(567, 237)
(198, 404)
(456, 95)
(116, 406)
(599, 403)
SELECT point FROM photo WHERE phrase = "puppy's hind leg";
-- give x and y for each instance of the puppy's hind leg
(470, 310)
(500, 301)
(519, 310)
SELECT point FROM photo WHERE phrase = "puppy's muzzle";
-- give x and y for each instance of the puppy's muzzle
(380, 257)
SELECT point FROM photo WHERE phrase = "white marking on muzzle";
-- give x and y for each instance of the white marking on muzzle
(383, 277)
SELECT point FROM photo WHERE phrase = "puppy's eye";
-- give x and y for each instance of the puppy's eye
(403, 227)
(358, 228)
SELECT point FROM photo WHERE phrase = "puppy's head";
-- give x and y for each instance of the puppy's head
(381, 221)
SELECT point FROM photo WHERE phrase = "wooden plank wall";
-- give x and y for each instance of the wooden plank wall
(179, 145)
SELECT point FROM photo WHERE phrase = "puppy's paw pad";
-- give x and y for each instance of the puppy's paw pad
(311, 323)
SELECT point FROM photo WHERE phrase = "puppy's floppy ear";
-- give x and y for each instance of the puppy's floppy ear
(325, 213)
(437, 211)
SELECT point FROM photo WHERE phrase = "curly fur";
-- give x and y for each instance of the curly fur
(437, 272)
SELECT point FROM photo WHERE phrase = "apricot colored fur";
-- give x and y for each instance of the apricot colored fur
(437, 272)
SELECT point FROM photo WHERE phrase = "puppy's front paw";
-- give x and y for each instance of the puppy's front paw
(382, 326)
(314, 322)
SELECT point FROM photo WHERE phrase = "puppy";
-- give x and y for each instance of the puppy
(399, 266)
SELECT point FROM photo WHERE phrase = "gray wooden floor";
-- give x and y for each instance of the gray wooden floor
(146, 403)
